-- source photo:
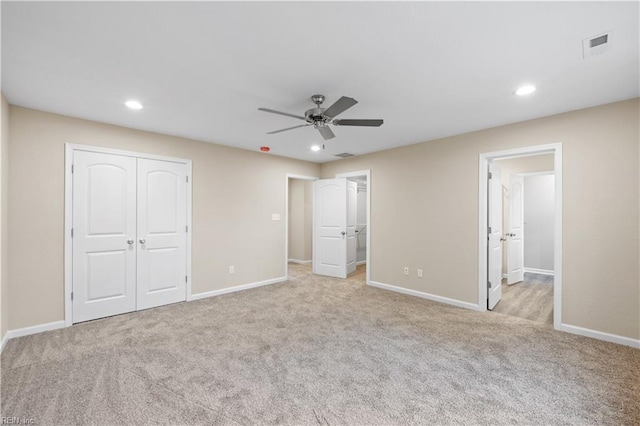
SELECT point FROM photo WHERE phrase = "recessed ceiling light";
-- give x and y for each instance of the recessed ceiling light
(525, 90)
(133, 104)
(315, 148)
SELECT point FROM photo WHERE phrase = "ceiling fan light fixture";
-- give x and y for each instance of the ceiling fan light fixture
(525, 90)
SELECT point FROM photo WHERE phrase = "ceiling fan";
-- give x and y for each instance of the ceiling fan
(320, 118)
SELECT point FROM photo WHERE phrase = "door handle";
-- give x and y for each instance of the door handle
(130, 242)
(343, 233)
(142, 241)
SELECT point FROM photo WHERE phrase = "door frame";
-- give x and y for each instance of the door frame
(484, 159)
(286, 218)
(70, 148)
(367, 174)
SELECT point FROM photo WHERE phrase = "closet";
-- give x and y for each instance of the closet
(129, 233)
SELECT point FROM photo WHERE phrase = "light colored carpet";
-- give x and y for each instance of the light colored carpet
(318, 351)
(531, 299)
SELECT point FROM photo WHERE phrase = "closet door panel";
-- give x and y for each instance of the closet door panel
(104, 229)
(162, 234)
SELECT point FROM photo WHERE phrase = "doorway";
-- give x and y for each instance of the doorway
(520, 244)
(299, 225)
(362, 179)
(527, 237)
(357, 232)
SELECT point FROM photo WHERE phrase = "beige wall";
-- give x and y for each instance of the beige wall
(234, 194)
(300, 217)
(530, 164)
(424, 212)
(4, 196)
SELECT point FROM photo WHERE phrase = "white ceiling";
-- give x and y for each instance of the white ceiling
(202, 69)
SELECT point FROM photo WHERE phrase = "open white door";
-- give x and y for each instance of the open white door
(330, 228)
(104, 232)
(352, 224)
(162, 233)
(494, 255)
(515, 241)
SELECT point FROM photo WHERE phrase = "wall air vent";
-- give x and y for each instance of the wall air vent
(597, 45)
(345, 155)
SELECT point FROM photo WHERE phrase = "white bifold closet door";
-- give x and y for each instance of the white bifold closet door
(129, 234)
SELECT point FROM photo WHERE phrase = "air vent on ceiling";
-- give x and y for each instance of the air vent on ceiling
(597, 45)
(345, 155)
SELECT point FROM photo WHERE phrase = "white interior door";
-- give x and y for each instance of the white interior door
(104, 232)
(330, 227)
(494, 255)
(162, 233)
(515, 237)
(352, 225)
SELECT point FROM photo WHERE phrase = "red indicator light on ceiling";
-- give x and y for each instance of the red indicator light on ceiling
(265, 149)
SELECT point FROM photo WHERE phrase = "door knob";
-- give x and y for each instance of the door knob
(142, 241)
(343, 233)
(130, 242)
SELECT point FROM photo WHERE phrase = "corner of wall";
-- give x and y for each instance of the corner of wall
(4, 174)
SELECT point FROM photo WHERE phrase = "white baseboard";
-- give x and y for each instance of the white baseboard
(242, 287)
(5, 339)
(505, 276)
(301, 262)
(12, 334)
(362, 262)
(539, 271)
(600, 335)
(423, 295)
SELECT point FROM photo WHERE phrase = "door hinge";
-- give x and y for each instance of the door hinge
(488, 284)
(490, 175)
(71, 232)
(186, 228)
(71, 296)
(489, 229)
(187, 179)
(185, 279)
(72, 168)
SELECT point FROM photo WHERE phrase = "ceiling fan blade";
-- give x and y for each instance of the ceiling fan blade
(288, 128)
(326, 133)
(340, 106)
(273, 111)
(356, 122)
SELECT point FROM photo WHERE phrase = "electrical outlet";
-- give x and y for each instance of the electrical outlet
(232, 269)
(419, 273)
(406, 270)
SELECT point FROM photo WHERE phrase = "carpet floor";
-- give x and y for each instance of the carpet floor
(317, 350)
